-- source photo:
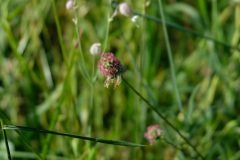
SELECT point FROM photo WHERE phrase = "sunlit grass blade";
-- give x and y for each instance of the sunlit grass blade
(112, 142)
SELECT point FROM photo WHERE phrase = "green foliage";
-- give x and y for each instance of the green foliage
(49, 81)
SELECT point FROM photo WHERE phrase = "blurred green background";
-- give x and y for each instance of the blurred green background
(42, 83)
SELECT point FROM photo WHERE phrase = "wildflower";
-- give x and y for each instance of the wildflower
(126, 10)
(95, 49)
(153, 133)
(70, 4)
(112, 68)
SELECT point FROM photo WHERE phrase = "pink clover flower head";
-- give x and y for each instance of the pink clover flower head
(112, 68)
(153, 133)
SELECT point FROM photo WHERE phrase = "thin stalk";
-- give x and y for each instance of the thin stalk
(170, 57)
(47, 140)
(90, 116)
(163, 118)
(59, 32)
(91, 105)
(90, 119)
(6, 141)
(143, 55)
(108, 26)
(93, 68)
(82, 64)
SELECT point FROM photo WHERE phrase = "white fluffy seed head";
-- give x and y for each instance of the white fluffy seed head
(95, 49)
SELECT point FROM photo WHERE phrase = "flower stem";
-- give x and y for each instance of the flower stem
(82, 64)
(164, 118)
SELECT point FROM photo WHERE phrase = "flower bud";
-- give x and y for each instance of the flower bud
(70, 4)
(125, 10)
(95, 49)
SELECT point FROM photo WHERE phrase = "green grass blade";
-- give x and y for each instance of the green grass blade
(6, 120)
(189, 31)
(170, 58)
(191, 103)
(6, 141)
(59, 32)
(112, 142)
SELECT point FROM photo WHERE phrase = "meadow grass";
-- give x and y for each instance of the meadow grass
(182, 73)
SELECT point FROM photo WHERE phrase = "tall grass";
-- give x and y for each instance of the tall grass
(182, 73)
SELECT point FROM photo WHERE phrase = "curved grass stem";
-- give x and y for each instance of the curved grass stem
(170, 57)
(163, 118)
